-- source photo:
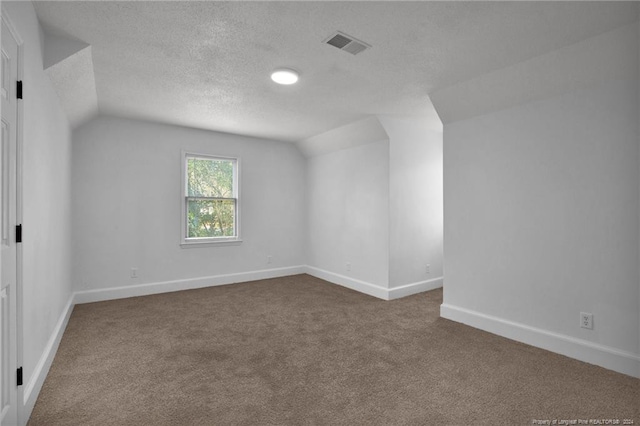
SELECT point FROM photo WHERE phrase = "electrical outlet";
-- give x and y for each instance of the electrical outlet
(586, 320)
(269, 259)
(348, 266)
(428, 269)
(134, 272)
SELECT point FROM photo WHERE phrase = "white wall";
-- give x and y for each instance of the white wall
(415, 200)
(542, 209)
(638, 350)
(377, 205)
(46, 203)
(127, 204)
(57, 48)
(348, 199)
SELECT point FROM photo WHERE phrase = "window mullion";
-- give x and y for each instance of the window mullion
(209, 198)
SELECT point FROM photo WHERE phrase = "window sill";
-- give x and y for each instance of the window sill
(210, 243)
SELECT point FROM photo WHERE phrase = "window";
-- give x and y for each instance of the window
(210, 211)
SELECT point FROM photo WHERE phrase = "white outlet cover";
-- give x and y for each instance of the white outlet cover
(586, 320)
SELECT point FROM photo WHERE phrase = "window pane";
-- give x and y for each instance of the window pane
(209, 178)
(210, 218)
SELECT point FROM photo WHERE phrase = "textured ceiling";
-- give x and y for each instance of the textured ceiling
(73, 80)
(207, 64)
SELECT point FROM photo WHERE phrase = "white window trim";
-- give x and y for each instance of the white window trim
(215, 241)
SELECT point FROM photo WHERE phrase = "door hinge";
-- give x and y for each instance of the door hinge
(19, 376)
(19, 233)
(19, 89)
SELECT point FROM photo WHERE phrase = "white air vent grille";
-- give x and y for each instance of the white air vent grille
(347, 43)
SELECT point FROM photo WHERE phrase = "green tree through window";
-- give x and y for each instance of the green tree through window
(211, 197)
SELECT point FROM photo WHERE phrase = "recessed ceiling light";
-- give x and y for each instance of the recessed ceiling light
(284, 76)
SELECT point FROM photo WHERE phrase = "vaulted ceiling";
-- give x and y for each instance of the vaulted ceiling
(207, 64)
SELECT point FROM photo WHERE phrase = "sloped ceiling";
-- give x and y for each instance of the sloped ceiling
(353, 134)
(69, 65)
(207, 64)
(581, 65)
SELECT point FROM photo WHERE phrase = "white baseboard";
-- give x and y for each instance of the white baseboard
(100, 295)
(352, 283)
(373, 289)
(35, 382)
(604, 356)
(414, 288)
(89, 296)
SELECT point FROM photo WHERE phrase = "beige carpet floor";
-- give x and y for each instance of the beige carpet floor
(301, 351)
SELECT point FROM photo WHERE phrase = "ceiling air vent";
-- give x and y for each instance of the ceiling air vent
(346, 43)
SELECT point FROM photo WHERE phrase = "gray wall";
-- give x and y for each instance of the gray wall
(127, 204)
(415, 200)
(542, 204)
(377, 205)
(46, 189)
(348, 196)
(638, 38)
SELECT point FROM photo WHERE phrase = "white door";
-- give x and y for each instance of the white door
(8, 269)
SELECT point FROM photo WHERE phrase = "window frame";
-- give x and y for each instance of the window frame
(187, 242)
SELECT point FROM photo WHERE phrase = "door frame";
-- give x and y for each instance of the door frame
(6, 20)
